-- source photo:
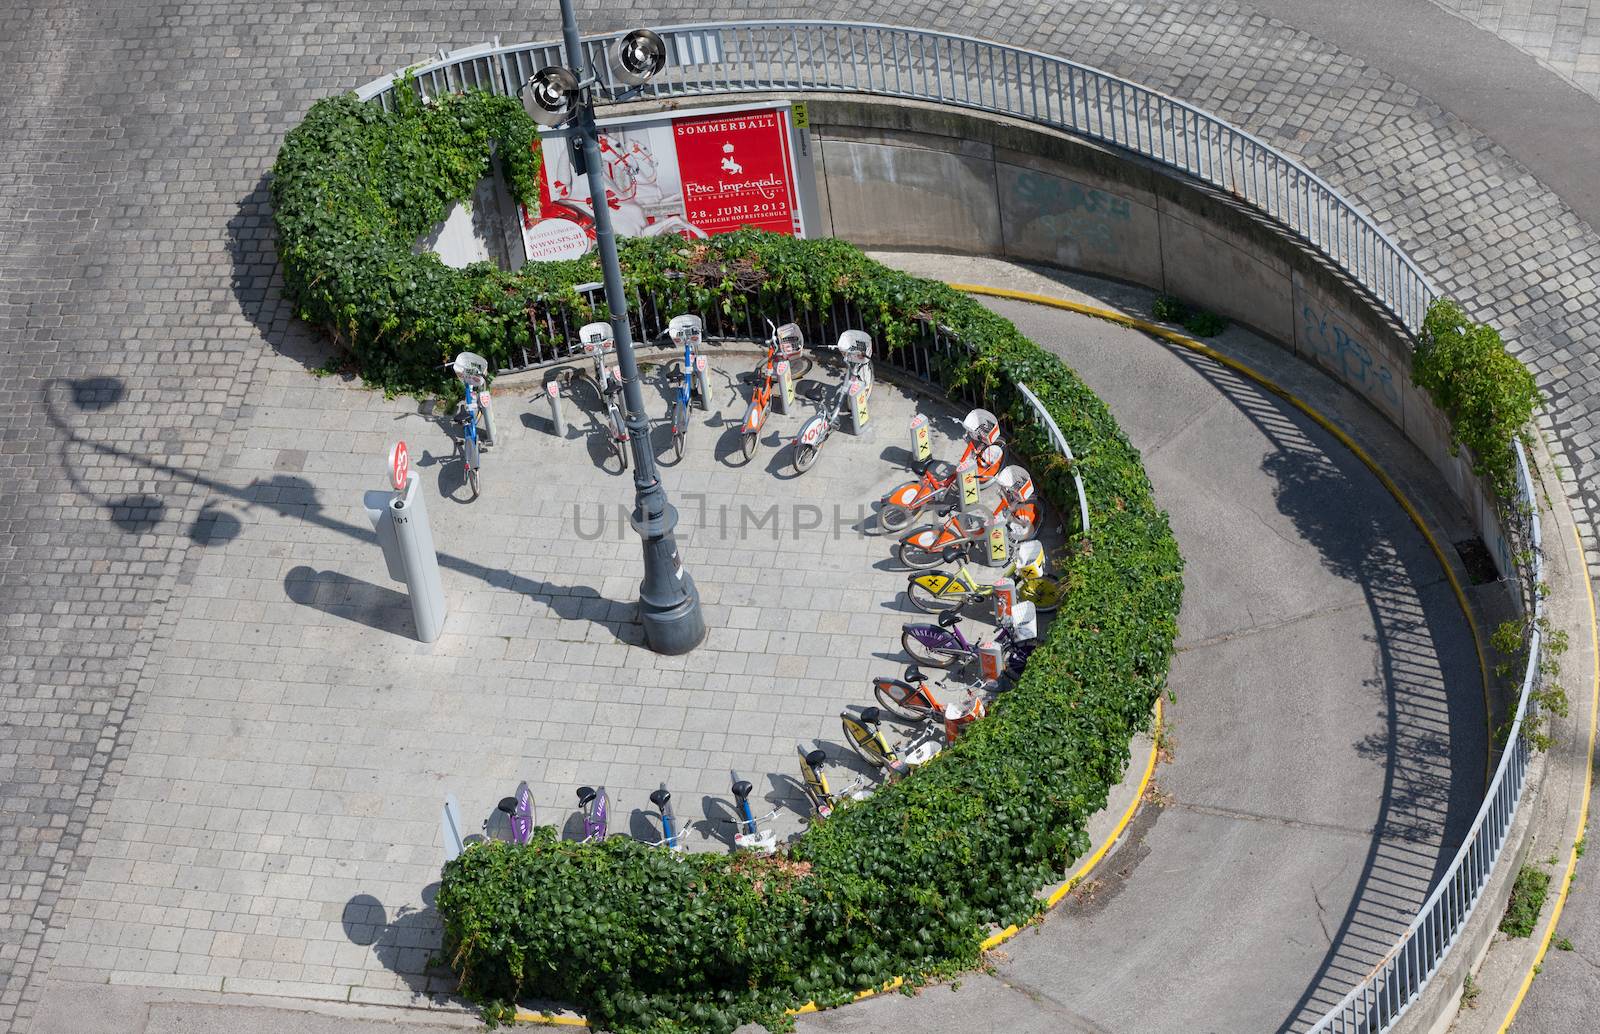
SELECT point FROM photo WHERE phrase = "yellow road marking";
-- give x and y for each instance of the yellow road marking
(1583, 810)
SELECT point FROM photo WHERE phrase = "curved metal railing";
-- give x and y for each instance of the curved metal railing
(959, 71)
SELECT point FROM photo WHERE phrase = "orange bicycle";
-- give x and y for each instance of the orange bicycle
(938, 482)
(784, 343)
(930, 544)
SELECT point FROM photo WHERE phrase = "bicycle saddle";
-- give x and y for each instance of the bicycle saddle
(660, 798)
(949, 619)
(742, 789)
(914, 674)
(871, 715)
(462, 414)
(816, 757)
(585, 794)
(507, 805)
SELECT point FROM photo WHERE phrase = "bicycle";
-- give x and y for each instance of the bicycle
(686, 331)
(944, 645)
(473, 371)
(925, 546)
(938, 481)
(815, 783)
(856, 347)
(592, 803)
(864, 733)
(939, 592)
(598, 339)
(784, 343)
(670, 839)
(750, 836)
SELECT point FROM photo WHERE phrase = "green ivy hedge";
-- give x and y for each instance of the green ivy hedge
(1488, 395)
(906, 883)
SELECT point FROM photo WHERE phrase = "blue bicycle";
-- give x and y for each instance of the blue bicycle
(471, 413)
(686, 331)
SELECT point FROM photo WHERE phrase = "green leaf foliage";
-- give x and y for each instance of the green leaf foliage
(906, 883)
(1488, 395)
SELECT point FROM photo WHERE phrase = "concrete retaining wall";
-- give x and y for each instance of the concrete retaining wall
(901, 174)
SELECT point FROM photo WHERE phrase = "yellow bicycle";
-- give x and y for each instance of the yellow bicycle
(939, 592)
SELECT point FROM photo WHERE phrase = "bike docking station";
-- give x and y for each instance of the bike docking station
(558, 424)
(921, 440)
(783, 398)
(400, 519)
(967, 485)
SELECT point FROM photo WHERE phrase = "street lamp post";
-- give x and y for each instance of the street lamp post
(669, 605)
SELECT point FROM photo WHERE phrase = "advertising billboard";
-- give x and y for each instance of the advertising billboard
(694, 175)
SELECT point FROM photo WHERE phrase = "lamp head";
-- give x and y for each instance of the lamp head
(550, 95)
(638, 57)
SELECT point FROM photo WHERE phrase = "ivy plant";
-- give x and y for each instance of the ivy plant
(1487, 395)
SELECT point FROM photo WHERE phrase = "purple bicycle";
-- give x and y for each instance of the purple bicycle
(515, 813)
(593, 803)
(944, 645)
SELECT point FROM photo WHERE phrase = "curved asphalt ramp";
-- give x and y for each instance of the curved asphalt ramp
(1322, 772)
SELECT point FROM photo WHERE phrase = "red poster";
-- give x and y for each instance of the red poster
(690, 175)
(735, 169)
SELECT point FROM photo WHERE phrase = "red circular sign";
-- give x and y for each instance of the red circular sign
(399, 466)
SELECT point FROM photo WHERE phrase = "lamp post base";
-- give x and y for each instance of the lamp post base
(675, 629)
(669, 603)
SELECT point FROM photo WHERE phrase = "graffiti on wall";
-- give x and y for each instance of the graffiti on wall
(1339, 349)
(1070, 212)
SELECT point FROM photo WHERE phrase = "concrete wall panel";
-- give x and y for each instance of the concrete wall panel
(1207, 266)
(898, 196)
(1065, 221)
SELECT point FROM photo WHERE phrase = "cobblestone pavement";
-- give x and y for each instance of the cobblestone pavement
(135, 260)
(1562, 35)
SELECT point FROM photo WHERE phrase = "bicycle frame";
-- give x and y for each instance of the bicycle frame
(516, 812)
(856, 348)
(815, 782)
(961, 528)
(785, 342)
(750, 836)
(865, 736)
(662, 799)
(964, 588)
(593, 804)
(938, 477)
(947, 640)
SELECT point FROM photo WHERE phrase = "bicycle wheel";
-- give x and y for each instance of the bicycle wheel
(799, 366)
(1045, 594)
(804, 457)
(915, 557)
(893, 517)
(902, 699)
(747, 445)
(622, 452)
(680, 428)
(472, 482)
(930, 602)
(932, 656)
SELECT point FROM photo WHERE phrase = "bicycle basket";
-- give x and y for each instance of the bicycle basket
(1016, 484)
(790, 341)
(1030, 559)
(1024, 622)
(473, 365)
(982, 426)
(686, 329)
(597, 337)
(856, 345)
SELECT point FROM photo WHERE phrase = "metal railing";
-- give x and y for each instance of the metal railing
(1397, 981)
(1042, 416)
(958, 71)
(847, 57)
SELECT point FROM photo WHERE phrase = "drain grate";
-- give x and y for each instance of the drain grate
(1478, 561)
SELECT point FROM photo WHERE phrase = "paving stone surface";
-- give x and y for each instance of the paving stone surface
(138, 300)
(1563, 35)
